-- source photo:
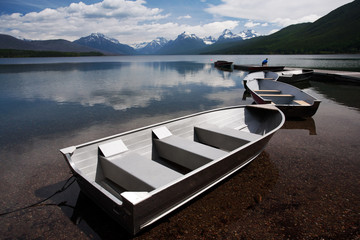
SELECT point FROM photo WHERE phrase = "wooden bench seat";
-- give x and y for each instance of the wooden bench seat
(223, 138)
(278, 98)
(184, 152)
(267, 91)
(302, 102)
(276, 95)
(136, 173)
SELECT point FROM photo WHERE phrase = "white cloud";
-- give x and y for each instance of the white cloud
(273, 31)
(276, 11)
(251, 24)
(114, 17)
(134, 22)
(127, 21)
(184, 17)
(210, 29)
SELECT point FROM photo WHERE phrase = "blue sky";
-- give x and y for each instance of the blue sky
(144, 20)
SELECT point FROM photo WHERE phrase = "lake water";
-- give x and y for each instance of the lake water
(50, 103)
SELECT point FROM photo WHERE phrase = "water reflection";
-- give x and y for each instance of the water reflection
(44, 109)
(38, 99)
(341, 93)
(60, 67)
(118, 85)
(305, 124)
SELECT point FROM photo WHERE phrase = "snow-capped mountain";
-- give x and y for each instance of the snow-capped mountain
(209, 40)
(105, 44)
(248, 34)
(187, 35)
(99, 36)
(185, 43)
(227, 36)
(138, 46)
(151, 47)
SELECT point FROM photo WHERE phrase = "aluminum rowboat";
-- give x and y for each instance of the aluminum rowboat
(139, 176)
(292, 101)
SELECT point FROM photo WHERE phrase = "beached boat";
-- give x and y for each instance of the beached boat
(293, 76)
(139, 176)
(292, 101)
(223, 64)
(256, 68)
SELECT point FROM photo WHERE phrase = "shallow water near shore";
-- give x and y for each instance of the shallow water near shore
(305, 185)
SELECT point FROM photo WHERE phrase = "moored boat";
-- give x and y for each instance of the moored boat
(139, 176)
(223, 64)
(291, 100)
(293, 76)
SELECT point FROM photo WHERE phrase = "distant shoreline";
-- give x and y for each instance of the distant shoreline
(15, 53)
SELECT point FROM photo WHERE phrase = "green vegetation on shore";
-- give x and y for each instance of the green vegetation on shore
(14, 53)
(337, 32)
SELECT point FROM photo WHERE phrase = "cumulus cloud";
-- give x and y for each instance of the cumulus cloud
(273, 31)
(210, 29)
(119, 17)
(276, 11)
(184, 17)
(251, 24)
(128, 21)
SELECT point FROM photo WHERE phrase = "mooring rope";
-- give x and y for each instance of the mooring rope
(39, 203)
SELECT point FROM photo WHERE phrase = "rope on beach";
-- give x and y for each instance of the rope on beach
(67, 184)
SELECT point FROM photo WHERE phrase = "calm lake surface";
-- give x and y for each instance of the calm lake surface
(305, 185)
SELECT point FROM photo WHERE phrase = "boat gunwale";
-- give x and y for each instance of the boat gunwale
(72, 149)
(149, 126)
(201, 170)
(265, 106)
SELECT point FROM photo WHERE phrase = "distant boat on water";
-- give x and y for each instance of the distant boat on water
(223, 64)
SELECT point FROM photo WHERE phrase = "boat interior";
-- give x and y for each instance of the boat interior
(280, 93)
(150, 158)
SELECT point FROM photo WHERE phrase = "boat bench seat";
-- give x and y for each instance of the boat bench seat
(136, 173)
(267, 91)
(223, 138)
(275, 95)
(184, 152)
(302, 102)
(278, 98)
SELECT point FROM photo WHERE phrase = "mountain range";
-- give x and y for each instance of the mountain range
(106, 45)
(336, 32)
(185, 43)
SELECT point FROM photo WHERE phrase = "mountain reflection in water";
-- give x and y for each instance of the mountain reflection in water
(308, 173)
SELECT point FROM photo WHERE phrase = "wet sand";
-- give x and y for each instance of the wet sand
(305, 185)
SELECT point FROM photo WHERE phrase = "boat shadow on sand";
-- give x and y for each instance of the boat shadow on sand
(247, 188)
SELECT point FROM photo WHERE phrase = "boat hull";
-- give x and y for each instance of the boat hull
(295, 76)
(136, 210)
(293, 102)
(223, 64)
(290, 111)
